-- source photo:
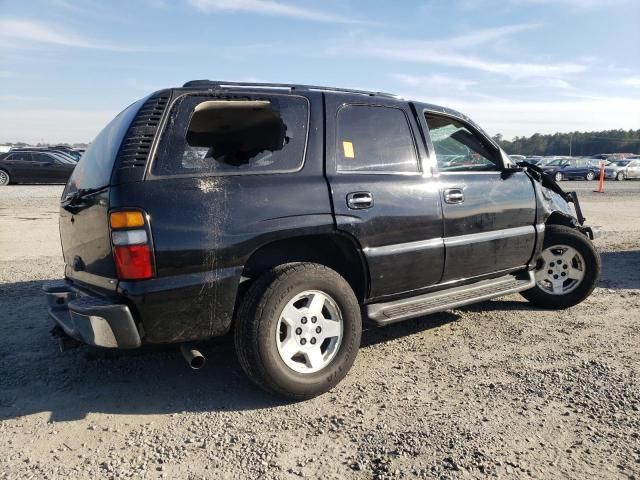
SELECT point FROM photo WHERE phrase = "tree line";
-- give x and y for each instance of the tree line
(573, 143)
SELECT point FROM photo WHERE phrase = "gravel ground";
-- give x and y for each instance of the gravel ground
(498, 389)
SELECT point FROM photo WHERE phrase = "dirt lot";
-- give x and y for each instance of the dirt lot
(497, 389)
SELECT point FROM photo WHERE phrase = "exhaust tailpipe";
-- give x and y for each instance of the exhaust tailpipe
(194, 358)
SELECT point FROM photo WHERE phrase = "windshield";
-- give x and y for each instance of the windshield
(621, 163)
(93, 170)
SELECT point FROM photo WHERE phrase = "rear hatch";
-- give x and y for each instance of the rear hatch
(117, 155)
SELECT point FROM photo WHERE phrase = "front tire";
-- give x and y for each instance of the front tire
(558, 177)
(590, 176)
(5, 178)
(620, 176)
(298, 330)
(568, 269)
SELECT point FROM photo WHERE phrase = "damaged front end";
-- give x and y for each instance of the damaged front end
(554, 203)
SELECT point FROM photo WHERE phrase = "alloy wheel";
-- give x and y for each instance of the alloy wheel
(309, 331)
(561, 270)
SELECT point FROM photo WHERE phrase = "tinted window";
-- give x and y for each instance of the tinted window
(43, 157)
(94, 168)
(230, 137)
(374, 139)
(458, 147)
(21, 156)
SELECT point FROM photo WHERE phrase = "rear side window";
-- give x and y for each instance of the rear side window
(211, 136)
(94, 168)
(375, 139)
(23, 157)
(43, 157)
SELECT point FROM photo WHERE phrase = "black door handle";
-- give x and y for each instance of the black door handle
(359, 200)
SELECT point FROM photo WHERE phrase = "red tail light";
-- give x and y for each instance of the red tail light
(133, 262)
(131, 249)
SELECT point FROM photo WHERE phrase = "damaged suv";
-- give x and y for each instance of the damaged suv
(295, 215)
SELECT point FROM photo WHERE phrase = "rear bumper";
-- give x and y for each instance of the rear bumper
(90, 318)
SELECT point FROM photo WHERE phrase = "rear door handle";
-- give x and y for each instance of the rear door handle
(359, 200)
(453, 195)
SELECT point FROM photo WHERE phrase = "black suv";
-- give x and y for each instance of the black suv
(293, 215)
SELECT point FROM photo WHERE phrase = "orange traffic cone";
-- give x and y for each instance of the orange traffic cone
(601, 185)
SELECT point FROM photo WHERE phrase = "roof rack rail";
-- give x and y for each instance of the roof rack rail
(285, 86)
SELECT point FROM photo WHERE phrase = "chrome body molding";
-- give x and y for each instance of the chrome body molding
(399, 248)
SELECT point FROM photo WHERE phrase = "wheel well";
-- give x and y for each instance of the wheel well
(558, 218)
(337, 252)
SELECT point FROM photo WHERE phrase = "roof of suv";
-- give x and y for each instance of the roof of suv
(218, 84)
(292, 87)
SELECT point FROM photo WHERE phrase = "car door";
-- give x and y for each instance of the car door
(633, 169)
(61, 169)
(578, 168)
(45, 168)
(489, 214)
(382, 196)
(20, 166)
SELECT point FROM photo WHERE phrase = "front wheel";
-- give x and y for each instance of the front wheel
(567, 270)
(558, 177)
(591, 176)
(298, 330)
(5, 179)
(620, 176)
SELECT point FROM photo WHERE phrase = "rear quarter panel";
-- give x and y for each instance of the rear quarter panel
(205, 228)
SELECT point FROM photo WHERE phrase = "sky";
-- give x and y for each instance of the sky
(516, 67)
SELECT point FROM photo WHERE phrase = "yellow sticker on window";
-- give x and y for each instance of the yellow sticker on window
(348, 150)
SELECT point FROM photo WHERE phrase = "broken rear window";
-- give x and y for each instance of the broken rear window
(221, 136)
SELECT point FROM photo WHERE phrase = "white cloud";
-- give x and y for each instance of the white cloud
(628, 82)
(51, 125)
(20, 33)
(431, 81)
(576, 4)
(269, 7)
(423, 52)
(513, 117)
(481, 36)
(450, 52)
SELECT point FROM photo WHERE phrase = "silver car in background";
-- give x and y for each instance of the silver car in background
(623, 169)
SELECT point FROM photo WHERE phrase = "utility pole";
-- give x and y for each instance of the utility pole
(570, 142)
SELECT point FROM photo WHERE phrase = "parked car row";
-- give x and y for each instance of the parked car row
(38, 165)
(586, 168)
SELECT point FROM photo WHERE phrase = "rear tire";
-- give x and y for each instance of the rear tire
(276, 342)
(568, 270)
(590, 176)
(5, 178)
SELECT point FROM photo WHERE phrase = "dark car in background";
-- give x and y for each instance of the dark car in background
(572, 168)
(35, 166)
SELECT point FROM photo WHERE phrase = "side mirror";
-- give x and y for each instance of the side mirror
(506, 172)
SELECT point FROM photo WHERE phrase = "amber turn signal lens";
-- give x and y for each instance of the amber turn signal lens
(126, 219)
